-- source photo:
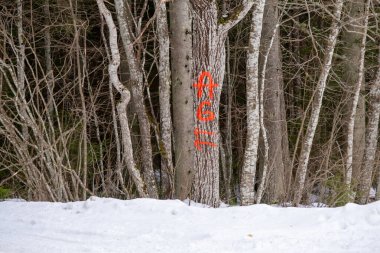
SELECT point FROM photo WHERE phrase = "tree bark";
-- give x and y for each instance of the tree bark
(136, 78)
(248, 174)
(209, 56)
(183, 122)
(274, 107)
(125, 97)
(164, 96)
(317, 103)
(371, 141)
(355, 39)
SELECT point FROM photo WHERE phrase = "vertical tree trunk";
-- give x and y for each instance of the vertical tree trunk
(164, 96)
(371, 141)
(228, 142)
(274, 106)
(317, 103)
(125, 97)
(247, 188)
(136, 78)
(48, 60)
(209, 56)
(354, 73)
(183, 122)
(21, 67)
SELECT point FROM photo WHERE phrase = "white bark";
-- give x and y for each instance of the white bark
(164, 97)
(125, 97)
(262, 78)
(253, 126)
(317, 103)
(357, 89)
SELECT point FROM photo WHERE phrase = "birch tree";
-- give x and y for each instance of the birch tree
(164, 96)
(317, 103)
(247, 188)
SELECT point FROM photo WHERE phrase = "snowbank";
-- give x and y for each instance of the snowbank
(170, 226)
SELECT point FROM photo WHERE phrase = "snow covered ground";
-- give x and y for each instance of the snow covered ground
(170, 226)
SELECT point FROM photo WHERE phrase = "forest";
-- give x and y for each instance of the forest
(217, 101)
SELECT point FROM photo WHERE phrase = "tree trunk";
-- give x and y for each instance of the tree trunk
(21, 68)
(355, 39)
(125, 97)
(164, 96)
(209, 60)
(317, 104)
(136, 78)
(183, 122)
(248, 174)
(274, 106)
(371, 141)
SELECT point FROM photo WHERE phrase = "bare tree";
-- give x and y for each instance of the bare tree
(122, 105)
(183, 122)
(356, 74)
(274, 106)
(164, 96)
(137, 84)
(317, 103)
(209, 37)
(371, 140)
(247, 187)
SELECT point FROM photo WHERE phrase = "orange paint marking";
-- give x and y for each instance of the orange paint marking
(200, 85)
(198, 142)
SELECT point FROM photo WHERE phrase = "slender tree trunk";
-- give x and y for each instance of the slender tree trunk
(164, 96)
(274, 106)
(371, 141)
(227, 158)
(125, 97)
(183, 122)
(248, 174)
(136, 78)
(21, 67)
(48, 60)
(355, 76)
(317, 103)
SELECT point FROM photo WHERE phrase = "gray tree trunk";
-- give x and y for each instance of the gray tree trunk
(354, 51)
(371, 141)
(164, 96)
(274, 107)
(209, 55)
(136, 78)
(183, 122)
(125, 97)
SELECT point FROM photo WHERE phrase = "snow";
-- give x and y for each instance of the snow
(171, 226)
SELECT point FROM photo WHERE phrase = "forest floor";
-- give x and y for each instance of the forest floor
(171, 226)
